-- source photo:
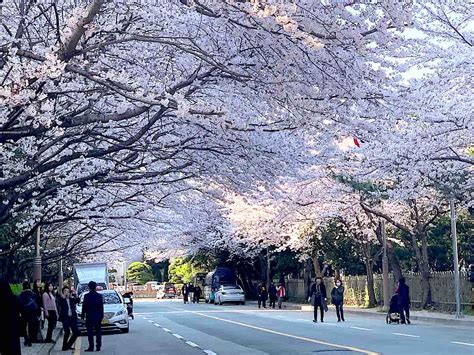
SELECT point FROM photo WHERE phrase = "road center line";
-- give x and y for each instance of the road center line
(359, 328)
(406, 335)
(177, 336)
(310, 340)
(209, 352)
(166, 330)
(461, 343)
(156, 325)
(194, 345)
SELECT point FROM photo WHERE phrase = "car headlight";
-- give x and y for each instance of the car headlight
(121, 312)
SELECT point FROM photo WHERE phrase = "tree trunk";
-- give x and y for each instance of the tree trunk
(423, 266)
(316, 266)
(370, 284)
(394, 262)
(307, 276)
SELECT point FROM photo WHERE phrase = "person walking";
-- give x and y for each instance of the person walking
(318, 297)
(281, 294)
(30, 312)
(272, 295)
(337, 299)
(184, 291)
(197, 293)
(262, 295)
(10, 334)
(93, 311)
(404, 302)
(129, 295)
(50, 311)
(68, 317)
(38, 291)
(191, 293)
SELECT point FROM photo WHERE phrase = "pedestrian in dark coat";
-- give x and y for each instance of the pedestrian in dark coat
(317, 296)
(184, 291)
(68, 317)
(197, 293)
(337, 299)
(262, 296)
(30, 313)
(93, 310)
(38, 291)
(191, 293)
(10, 334)
(272, 295)
(404, 302)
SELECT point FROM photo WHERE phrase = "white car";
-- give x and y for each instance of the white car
(229, 293)
(115, 312)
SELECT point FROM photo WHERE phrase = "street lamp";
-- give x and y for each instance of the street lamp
(37, 259)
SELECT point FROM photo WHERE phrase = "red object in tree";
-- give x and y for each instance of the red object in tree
(356, 142)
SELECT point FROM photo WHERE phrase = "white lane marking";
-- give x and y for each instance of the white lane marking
(359, 328)
(156, 325)
(304, 320)
(330, 324)
(194, 345)
(406, 335)
(309, 340)
(209, 352)
(461, 343)
(150, 321)
(280, 316)
(166, 330)
(177, 336)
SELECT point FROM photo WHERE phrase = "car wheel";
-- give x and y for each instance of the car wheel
(242, 303)
(126, 330)
(206, 300)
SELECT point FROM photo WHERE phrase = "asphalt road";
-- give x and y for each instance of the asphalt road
(171, 327)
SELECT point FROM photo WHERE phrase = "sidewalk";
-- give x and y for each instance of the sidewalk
(424, 316)
(42, 348)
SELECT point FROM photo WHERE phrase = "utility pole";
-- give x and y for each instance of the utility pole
(125, 275)
(386, 295)
(457, 281)
(60, 275)
(37, 259)
(268, 269)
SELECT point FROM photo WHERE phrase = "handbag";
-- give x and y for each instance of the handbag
(324, 304)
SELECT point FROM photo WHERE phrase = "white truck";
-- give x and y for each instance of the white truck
(86, 272)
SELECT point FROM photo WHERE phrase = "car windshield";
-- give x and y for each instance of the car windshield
(111, 298)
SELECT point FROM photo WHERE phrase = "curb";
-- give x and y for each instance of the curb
(56, 339)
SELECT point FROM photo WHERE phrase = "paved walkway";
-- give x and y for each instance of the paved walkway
(41, 348)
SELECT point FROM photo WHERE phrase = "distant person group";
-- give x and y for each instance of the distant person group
(273, 295)
(27, 313)
(191, 293)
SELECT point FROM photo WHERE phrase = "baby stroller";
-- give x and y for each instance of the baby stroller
(393, 315)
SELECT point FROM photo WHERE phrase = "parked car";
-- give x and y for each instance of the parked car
(167, 290)
(153, 285)
(115, 312)
(229, 293)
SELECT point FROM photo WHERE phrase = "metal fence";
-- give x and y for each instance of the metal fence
(442, 289)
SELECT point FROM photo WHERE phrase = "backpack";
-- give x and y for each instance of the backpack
(28, 302)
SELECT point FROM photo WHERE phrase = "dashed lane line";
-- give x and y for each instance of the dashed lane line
(190, 343)
(406, 335)
(360, 328)
(166, 330)
(177, 336)
(461, 343)
(209, 352)
(156, 325)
